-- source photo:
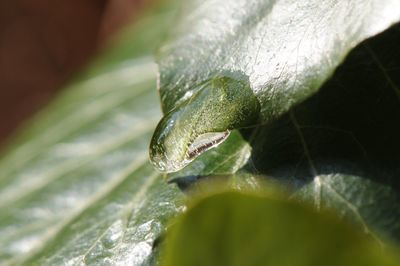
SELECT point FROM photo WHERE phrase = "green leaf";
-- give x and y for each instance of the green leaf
(328, 93)
(237, 228)
(370, 205)
(76, 186)
(287, 49)
(339, 149)
(282, 50)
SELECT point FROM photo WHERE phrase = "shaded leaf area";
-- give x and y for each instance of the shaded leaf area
(233, 228)
(286, 49)
(341, 148)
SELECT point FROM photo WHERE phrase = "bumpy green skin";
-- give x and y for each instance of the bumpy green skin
(217, 105)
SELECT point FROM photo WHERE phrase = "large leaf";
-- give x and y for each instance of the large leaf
(286, 48)
(331, 134)
(84, 192)
(232, 228)
(280, 50)
(76, 186)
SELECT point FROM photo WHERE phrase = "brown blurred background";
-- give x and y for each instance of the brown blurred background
(43, 42)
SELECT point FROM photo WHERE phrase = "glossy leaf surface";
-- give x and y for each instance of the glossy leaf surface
(330, 133)
(76, 187)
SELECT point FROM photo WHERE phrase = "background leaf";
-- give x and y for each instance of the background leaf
(76, 186)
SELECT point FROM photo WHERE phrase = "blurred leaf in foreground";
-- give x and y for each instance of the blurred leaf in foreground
(237, 228)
